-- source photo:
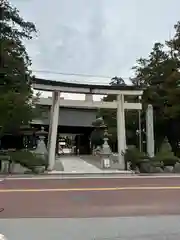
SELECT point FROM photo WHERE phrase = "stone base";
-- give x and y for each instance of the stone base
(176, 168)
(58, 166)
(115, 162)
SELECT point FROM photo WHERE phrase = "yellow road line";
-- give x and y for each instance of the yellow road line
(89, 189)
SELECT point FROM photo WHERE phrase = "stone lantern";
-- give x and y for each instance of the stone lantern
(41, 149)
(28, 136)
(99, 141)
(106, 151)
(97, 135)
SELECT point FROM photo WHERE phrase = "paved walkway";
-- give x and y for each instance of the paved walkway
(75, 164)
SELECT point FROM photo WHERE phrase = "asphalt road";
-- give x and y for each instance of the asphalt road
(126, 208)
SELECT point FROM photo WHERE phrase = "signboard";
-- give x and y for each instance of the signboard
(106, 162)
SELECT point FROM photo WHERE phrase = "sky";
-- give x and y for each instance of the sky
(96, 37)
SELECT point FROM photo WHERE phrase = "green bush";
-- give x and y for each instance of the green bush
(134, 157)
(165, 155)
(156, 162)
(28, 159)
(97, 137)
(166, 160)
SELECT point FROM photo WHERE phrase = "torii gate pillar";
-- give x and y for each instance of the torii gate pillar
(53, 126)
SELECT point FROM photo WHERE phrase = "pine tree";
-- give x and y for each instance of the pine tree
(16, 105)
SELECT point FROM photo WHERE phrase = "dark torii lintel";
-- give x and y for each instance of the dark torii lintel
(51, 85)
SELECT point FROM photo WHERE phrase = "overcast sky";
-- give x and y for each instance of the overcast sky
(99, 37)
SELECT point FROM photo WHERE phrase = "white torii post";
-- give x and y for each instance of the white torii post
(121, 134)
(52, 138)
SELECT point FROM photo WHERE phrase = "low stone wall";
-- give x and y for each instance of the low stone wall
(175, 169)
(12, 168)
(96, 160)
(146, 167)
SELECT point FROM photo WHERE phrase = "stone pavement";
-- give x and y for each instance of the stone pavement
(75, 164)
(121, 228)
(96, 161)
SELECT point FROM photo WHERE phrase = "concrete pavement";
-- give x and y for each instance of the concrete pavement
(76, 164)
(122, 228)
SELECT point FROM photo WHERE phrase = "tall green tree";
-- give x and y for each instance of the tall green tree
(16, 102)
(117, 81)
(160, 74)
(174, 43)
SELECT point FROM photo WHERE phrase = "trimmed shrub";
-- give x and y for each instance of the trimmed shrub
(28, 160)
(134, 157)
(165, 156)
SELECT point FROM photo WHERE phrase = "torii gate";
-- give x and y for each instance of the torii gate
(58, 87)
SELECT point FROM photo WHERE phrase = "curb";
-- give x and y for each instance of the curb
(82, 176)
